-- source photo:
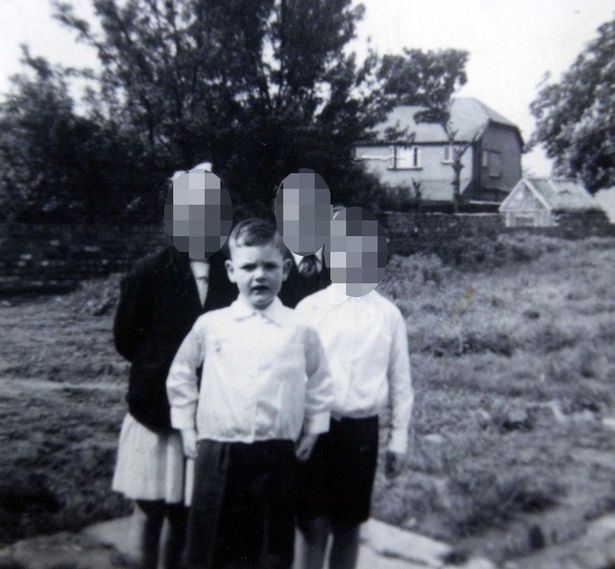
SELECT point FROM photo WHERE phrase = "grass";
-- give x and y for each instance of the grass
(493, 347)
(61, 405)
(513, 368)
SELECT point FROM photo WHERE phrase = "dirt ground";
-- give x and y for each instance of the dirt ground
(512, 436)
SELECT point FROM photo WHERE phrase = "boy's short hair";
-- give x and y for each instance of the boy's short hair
(256, 231)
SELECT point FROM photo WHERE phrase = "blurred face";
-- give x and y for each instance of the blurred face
(198, 214)
(258, 271)
(303, 211)
(358, 253)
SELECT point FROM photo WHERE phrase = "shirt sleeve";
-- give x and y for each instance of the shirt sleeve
(182, 381)
(319, 389)
(400, 386)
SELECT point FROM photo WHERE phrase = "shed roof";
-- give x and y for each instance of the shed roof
(560, 194)
(468, 116)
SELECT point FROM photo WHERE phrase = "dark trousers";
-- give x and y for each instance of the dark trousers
(243, 506)
(337, 480)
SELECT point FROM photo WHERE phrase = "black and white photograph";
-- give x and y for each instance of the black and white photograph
(307, 284)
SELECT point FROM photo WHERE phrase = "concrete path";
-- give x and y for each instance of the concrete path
(110, 545)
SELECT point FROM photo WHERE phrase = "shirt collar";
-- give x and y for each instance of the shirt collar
(297, 258)
(199, 269)
(242, 309)
(337, 292)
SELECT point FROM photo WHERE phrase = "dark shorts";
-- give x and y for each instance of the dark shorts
(338, 478)
(243, 506)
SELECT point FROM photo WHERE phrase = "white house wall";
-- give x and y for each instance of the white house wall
(432, 169)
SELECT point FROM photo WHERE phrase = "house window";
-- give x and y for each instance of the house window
(495, 165)
(405, 158)
(523, 220)
(493, 161)
(448, 154)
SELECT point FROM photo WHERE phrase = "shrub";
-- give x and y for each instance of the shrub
(395, 199)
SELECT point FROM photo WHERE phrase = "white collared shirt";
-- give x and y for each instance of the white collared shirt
(265, 376)
(298, 258)
(200, 271)
(366, 345)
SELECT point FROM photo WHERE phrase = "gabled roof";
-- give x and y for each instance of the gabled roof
(559, 194)
(468, 116)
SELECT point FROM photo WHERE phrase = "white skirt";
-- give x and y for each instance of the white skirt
(150, 466)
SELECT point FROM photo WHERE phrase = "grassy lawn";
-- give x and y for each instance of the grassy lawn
(513, 367)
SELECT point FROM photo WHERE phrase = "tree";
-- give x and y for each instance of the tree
(259, 87)
(58, 165)
(424, 78)
(575, 117)
(429, 80)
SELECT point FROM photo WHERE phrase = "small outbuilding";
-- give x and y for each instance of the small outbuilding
(538, 202)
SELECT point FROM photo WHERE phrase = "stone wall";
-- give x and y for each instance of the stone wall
(54, 258)
(411, 232)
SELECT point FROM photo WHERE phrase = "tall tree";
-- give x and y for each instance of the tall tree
(424, 78)
(575, 117)
(259, 87)
(429, 79)
(58, 165)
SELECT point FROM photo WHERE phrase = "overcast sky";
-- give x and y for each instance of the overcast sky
(512, 43)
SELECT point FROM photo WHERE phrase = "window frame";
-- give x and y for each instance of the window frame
(412, 154)
(495, 164)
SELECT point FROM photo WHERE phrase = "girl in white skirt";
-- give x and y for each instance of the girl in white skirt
(150, 470)
(160, 300)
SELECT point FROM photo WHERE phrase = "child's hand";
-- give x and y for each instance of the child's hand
(189, 442)
(394, 463)
(304, 446)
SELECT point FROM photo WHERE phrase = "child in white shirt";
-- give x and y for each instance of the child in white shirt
(263, 400)
(364, 336)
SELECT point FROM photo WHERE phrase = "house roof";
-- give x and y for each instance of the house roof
(468, 116)
(560, 194)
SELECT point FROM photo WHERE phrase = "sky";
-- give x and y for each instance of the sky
(512, 43)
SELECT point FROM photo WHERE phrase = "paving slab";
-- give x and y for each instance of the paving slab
(113, 545)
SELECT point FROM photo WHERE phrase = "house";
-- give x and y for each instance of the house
(491, 162)
(538, 202)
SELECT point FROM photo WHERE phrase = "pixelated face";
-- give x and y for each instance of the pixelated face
(358, 251)
(198, 213)
(258, 271)
(303, 211)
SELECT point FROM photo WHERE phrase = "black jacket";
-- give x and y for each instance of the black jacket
(295, 288)
(159, 303)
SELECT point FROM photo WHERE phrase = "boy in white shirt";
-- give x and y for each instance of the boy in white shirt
(264, 397)
(364, 336)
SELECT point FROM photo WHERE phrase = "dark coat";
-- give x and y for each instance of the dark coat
(159, 303)
(295, 288)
